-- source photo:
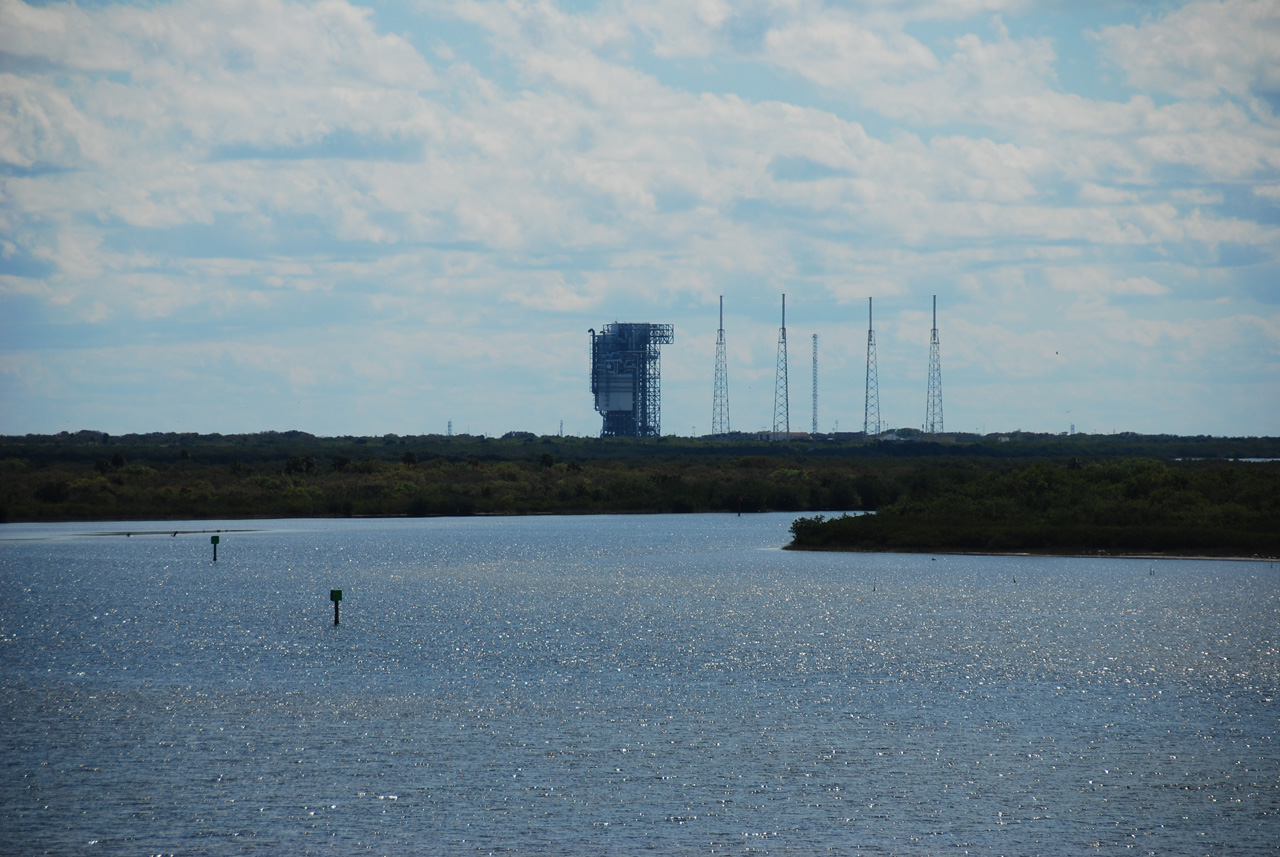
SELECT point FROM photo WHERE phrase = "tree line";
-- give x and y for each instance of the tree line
(95, 476)
(1112, 506)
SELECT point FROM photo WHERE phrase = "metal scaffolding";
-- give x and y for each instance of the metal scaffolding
(871, 410)
(933, 413)
(626, 376)
(781, 406)
(720, 397)
(815, 385)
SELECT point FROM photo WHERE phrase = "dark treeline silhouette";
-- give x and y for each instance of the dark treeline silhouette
(90, 475)
(1122, 506)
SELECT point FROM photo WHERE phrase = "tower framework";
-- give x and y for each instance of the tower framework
(933, 413)
(871, 410)
(720, 397)
(814, 398)
(626, 377)
(781, 406)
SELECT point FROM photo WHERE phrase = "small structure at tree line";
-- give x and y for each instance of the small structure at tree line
(626, 377)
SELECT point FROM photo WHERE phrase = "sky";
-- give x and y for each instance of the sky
(392, 217)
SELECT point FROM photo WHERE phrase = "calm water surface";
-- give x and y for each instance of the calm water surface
(623, 685)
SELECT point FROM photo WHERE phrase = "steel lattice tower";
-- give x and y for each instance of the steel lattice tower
(871, 411)
(781, 406)
(933, 415)
(626, 376)
(720, 398)
(815, 385)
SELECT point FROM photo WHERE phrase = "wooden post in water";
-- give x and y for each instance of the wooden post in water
(335, 595)
(213, 540)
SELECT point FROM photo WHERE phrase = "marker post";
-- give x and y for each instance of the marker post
(213, 540)
(335, 595)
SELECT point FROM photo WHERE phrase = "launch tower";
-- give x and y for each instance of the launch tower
(626, 377)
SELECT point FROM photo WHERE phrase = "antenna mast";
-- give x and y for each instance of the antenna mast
(781, 407)
(933, 415)
(815, 385)
(720, 397)
(871, 411)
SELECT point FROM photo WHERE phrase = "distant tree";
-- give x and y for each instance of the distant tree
(300, 464)
(546, 459)
(118, 460)
(53, 492)
(339, 463)
(102, 466)
(409, 459)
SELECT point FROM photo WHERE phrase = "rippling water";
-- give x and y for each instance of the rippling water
(624, 685)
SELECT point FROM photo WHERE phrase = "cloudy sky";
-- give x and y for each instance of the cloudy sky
(361, 218)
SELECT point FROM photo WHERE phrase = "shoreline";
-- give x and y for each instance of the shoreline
(154, 531)
(401, 516)
(1097, 555)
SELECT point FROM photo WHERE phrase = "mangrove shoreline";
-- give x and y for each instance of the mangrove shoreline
(1016, 493)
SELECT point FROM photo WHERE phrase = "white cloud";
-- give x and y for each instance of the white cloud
(1090, 192)
(1100, 282)
(290, 165)
(843, 54)
(316, 70)
(680, 28)
(40, 127)
(1202, 49)
(1002, 350)
(63, 35)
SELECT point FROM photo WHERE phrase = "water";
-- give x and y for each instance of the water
(623, 685)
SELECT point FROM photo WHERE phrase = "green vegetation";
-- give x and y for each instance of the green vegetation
(1129, 506)
(92, 476)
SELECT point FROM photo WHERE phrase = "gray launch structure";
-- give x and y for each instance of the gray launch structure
(626, 377)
